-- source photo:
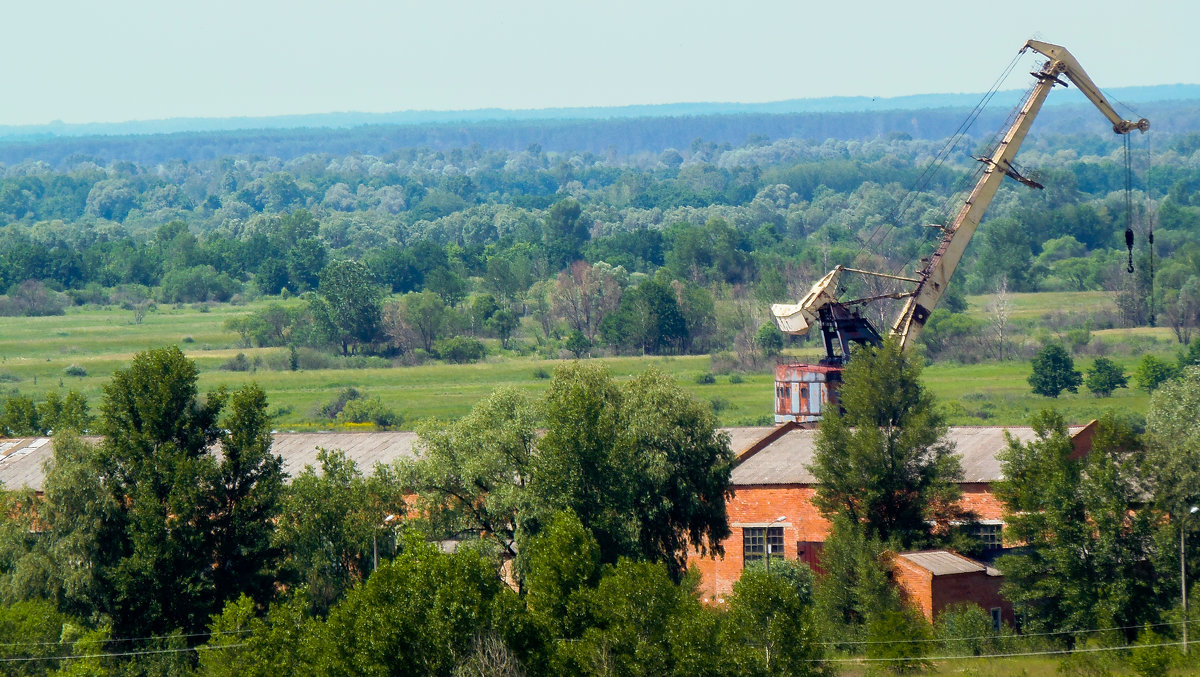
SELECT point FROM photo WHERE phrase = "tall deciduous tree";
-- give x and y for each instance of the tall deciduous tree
(1054, 371)
(352, 303)
(1089, 538)
(329, 522)
(185, 533)
(426, 314)
(472, 476)
(1104, 377)
(586, 293)
(1175, 442)
(650, 449)
(563, 233)
(641, 465)
(883, 463)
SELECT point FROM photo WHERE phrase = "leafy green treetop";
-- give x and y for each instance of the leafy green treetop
(641, 464)
(184, 530)
(1090, 538)
(883, 463)
(1054, 371)
(1104, 377)
(1174, 441)
(1152, 372)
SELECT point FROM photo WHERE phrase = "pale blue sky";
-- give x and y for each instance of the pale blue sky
(138, 60)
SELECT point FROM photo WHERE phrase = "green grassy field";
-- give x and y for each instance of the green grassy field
(1040, 304)
(35, 352)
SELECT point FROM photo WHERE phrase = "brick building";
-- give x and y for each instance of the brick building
(772, 509)
(931, 580)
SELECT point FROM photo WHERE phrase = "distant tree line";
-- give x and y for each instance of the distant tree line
(687, 236)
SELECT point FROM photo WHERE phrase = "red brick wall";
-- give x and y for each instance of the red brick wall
(932, 594)
(915, 584)
(976, 588)
(760, 504)
(978, 498)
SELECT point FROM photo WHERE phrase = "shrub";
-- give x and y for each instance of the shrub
(578, 344)
(460, 349)
(735, 377)
(1152, 372)
(901, 638)
(75, 370)
(1104, 377)
(237, 363)
(966, 630)
(32, 299)
(334, 407)
(769, 339)
(541, 373)
(369, 410)
(706, 378)
(188, 339)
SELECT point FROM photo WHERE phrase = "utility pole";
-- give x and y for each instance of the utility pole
(767, 548)
(1183, 572)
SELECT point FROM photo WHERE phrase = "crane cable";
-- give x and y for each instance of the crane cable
(1128, 203)
(939, 159)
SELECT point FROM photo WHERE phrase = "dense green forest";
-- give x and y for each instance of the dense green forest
(673, 251)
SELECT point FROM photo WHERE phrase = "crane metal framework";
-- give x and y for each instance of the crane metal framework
(804, 390)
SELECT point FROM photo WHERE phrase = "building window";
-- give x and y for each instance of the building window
(758, 542)
(997, 620)
(991, 536)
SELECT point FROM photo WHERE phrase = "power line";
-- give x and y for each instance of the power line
(1007, 637)
(1051, 652)
(145, 652)
(131, 639)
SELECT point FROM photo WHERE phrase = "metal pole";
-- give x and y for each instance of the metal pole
(1183, 580)
(1183, 571)
(374, 549)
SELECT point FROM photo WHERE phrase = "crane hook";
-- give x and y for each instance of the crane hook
(1129, 246)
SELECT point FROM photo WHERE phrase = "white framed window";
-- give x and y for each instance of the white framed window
(990, 535)
(761, 542)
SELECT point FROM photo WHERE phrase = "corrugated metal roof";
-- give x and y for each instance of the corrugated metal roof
(365, 448)
(740, 438)
(786, 460)
(783, 461)
(21, 460)
(943, 562)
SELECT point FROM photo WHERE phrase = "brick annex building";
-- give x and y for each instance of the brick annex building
(772, 512)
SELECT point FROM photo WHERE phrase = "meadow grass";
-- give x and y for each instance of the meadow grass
(35, 352)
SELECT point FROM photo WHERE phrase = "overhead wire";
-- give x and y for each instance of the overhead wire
(145, 652)
(1018, 654)
(939, 159)
(1020, 636)
(132, 639)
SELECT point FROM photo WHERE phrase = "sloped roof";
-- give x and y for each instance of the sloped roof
(365, 448)
(786, 459)
(781, 460)
(946, 563)
(22, 460)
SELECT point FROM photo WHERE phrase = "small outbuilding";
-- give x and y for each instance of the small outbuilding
(931, 580)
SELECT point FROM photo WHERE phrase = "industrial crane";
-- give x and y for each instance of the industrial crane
(802, 391)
